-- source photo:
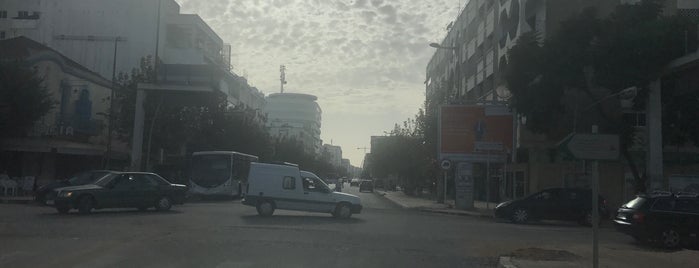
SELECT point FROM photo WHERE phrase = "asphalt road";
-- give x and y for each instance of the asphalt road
(228, 234)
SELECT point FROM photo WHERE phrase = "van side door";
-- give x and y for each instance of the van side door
(290, 193)
(316, 197)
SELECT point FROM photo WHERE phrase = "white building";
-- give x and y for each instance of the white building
(295, 116)
(73, 135)
(334, 154)
(84, 30)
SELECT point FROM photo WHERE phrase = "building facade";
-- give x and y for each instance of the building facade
(295, 116)
(85, 31)
(469, 69)
(334, 154)
(72, 136)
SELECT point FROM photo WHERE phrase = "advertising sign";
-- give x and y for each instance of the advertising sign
(463, 183)
(464, 127)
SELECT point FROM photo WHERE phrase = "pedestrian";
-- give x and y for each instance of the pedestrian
(338, 185)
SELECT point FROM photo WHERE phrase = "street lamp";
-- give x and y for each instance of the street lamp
(438, 46)
(628, 93)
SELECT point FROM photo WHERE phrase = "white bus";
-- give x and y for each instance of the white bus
(219, 173)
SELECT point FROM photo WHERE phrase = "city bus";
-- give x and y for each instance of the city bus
(219, 173)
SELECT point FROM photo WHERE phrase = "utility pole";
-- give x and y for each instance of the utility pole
(116, 40)
(282, 76)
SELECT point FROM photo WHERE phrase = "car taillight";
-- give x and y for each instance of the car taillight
(639, 217)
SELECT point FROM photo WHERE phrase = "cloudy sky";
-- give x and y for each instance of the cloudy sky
(364, 59)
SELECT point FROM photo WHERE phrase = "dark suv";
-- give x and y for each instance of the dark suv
(553, 204)
(670, 220)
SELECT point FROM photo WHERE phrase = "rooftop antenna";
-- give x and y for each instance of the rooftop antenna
(282, 76)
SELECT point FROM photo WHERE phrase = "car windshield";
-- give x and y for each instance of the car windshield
(412, 111)
(636, 203)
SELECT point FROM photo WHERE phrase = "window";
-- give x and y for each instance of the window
(3, 14)
(665, 204)
(289, 183)
(22, 14)
(687, 205)
(309, 184)
(145, 180)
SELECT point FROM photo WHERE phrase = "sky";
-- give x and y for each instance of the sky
(364, 59)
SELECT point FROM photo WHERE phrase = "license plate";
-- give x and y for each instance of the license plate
(50, 202)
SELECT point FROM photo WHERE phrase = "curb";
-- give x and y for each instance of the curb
(423, 209)
(383, 195)
(506, 262)
(458, 213)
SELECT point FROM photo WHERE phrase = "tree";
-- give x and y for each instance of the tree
(23, 99)
(190, 121)
(292, 151)
(589, 58)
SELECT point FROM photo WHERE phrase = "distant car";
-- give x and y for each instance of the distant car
(366, 185)
(354, 182)
(571, 204)
(119, 190)
(669, 220)
(81, 178)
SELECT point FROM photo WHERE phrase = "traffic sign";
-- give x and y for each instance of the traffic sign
(446, 164)
(590, 146)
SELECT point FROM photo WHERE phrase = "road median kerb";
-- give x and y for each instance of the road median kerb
(456, 212)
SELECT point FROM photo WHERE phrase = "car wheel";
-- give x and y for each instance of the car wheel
(265, 208)
(669, 238)
(85, 205)
(63, 210)
(163, 204)
(343, 211)
(520, 215)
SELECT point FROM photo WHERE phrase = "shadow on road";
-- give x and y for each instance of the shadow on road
(111, 213)
(287, 220)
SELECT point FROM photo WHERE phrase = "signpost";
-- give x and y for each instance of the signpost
(592, 147)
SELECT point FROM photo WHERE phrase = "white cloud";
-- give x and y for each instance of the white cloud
(364, 59)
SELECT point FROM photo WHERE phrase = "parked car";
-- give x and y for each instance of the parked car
(272, 186)
(553, 204)
(669, 220)
(366, 185)
(354, 182)
(119, 190)
(81, 178)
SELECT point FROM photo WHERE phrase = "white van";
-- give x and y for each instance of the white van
(273, 186)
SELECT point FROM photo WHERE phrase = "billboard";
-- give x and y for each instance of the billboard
(462, 127)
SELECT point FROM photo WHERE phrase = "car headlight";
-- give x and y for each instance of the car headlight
(65, 194)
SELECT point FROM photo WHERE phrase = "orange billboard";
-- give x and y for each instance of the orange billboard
(462, 126)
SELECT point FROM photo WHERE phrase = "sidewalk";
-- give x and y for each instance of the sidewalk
(481, 209)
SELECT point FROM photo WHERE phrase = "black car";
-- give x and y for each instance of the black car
(81, 178)
(366, 185)
(571, 204)
(119, 190)
(669, 220)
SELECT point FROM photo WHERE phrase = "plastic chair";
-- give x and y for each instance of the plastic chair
(27, 184)
(8, 185)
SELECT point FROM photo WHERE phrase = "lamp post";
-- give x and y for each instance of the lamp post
(628, 93)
